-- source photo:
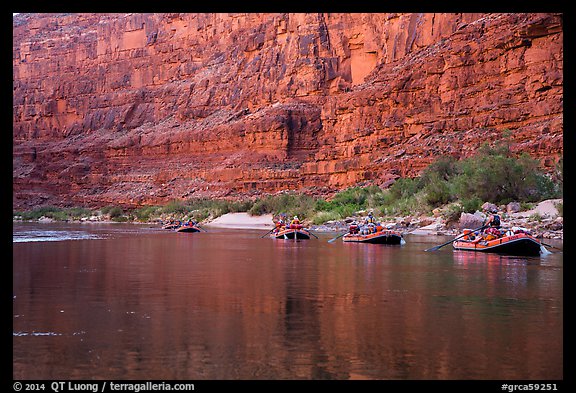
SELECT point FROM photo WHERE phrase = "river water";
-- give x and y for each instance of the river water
(125, 301)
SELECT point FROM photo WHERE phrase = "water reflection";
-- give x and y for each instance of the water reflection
(231, 305)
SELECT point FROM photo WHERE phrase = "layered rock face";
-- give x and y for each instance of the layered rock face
(143, 108)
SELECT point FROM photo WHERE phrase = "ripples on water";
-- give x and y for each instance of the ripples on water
(134, 302)
(51, 236)
(33, 232)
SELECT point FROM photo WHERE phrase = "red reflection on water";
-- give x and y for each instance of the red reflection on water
(231, 305)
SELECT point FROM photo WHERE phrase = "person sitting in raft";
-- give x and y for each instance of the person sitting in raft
(295, 222)
(370, 219)
(493, 223)
(280, 224)
(371, 227)
(354, 228)
(191, 222)
(370, 223)
(493, 220)
(493, 231)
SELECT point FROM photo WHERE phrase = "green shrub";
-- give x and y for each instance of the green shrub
(495, 176)
(176, 207)
(76, 213)
(350, 201)
(145, 213)
(470, 205)
(203, 207)
(404, 188)
(55, 213)
(47, 211)
(106, 209)
(444, 168)
(535, 217)
(408, 205)
(348, 209)
(43, 211)
(526, 206)
(404, 197)
(196, 208)
(453, 213)
(558, 177)
(437, 190)
(544, 188)
(200, 215)
(377, 198)
(291, 204)
(323, 216)
(115, 212)
(351, 196)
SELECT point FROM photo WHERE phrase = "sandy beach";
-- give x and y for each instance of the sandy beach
(243, 221)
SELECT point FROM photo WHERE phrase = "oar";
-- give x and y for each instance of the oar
(267, 233)
(337, 237)
(549, 245)
(201, 228)
(311, 233)
(457, 237)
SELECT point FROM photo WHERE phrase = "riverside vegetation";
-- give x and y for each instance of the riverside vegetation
(447, 185)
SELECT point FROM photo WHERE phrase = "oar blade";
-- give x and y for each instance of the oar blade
(266, 234)
(336, 238)
(551, 246)
(439, 246)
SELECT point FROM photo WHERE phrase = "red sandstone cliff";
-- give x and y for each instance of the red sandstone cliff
(143, 108)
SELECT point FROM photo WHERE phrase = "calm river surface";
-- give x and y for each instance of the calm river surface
(121, 301)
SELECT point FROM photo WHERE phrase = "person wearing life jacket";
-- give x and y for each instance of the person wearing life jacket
(370, 219)
(493, 223)
(370, 223)
(280, 224)
(493, 220)
(295, 223)
(354, 228)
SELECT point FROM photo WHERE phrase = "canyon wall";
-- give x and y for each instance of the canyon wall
(143, 108)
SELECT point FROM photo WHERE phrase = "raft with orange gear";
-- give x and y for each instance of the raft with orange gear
(382, 236)
(521, 243)
(292, 231)
(187, 228)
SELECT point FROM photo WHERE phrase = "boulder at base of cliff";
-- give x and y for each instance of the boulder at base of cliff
(434, 228)
(513, 207)
(487, 206)
(471, 221)
(547, 208)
